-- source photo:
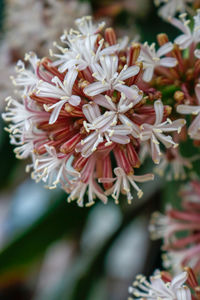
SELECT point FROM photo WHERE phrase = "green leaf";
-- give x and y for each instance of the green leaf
(8, 161)
(60, 219)
(171, 194)
(88, 268)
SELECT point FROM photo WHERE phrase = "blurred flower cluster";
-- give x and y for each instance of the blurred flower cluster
(38, 22)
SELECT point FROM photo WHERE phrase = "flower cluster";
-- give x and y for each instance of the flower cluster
(162, 285)
(184, 87)
(180, 230)
(85, 115)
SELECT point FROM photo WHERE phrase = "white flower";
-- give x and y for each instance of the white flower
(123, 183)
(80, 52)
(171, 7)
(119, 110)
(108, 78)
(21, 118)
(158, 289)
(26, 78)
(61, 91)
(194, 128)
(86, 181)
(94, 191)
(102, 127)
(26, 141)
(152, 59)
(161, 226)
(176, 259)
(155, 133)
(52, 168)
(188, 36)
(87, 27)
(174, 164)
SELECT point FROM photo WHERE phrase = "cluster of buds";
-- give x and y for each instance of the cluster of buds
(85, 115)
(180, 230)
(162, 285)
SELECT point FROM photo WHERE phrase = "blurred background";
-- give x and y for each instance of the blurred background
(50, 249)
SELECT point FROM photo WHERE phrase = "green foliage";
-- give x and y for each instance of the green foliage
(59, 220)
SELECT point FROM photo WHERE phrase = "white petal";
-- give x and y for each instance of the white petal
(131, 93)
(183, 41)
(91, 111)
(148, 73)
(180, 25)
(179, 280)
(193, 130)
(183, 293)
(74, 100)
(105, 102)
(56, 111)
(120, 139)
(168, 62)
(159, 109)
(174, 126)
(166, 48)
(129, 72)
(96, 88)
(143, 178)
(110, 50)
(197, 53)
(188, 109)
(70, 79)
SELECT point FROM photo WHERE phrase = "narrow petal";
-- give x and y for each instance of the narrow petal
(159, 108)
(183, 293)
(148, 73)
(96, 88)
(129, 72)
(194, 128)
(70, 79)
(56, 111)
(183, 41)
(143, 178)
(188, 109)
(179, 280)
(130, 93)
(180, 25)
(110, 50)
(105, 102)
(120, 139)
(168, 62)
(166, 48)
(91, 111)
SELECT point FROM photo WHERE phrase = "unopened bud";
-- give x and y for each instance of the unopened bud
(68, 108)
(110, 36)
(134, 53)
(179, 96)
(168, 110)
(162, 39)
